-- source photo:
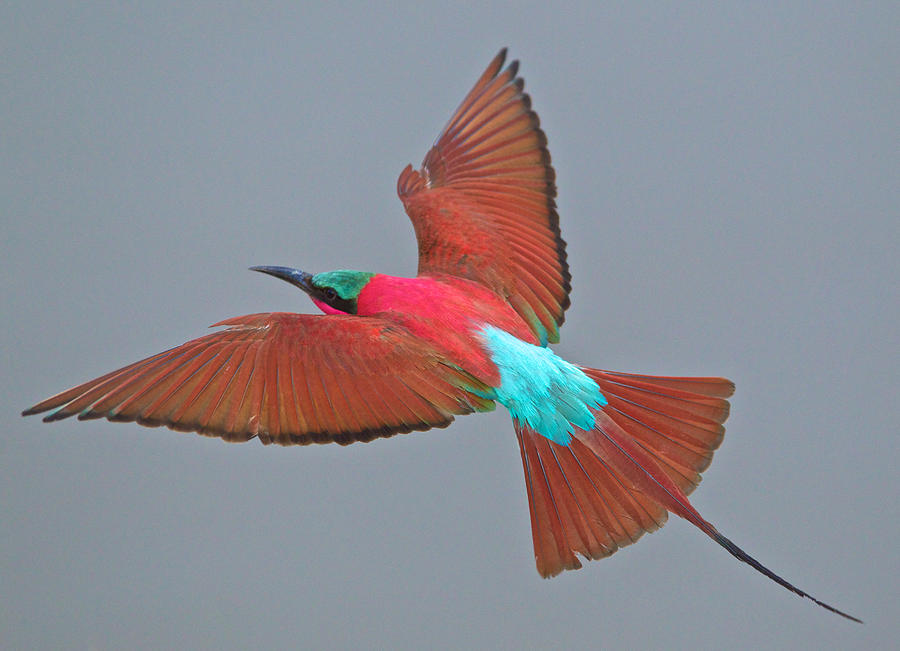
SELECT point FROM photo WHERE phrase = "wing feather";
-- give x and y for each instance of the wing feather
(483, 203)
(287, 379)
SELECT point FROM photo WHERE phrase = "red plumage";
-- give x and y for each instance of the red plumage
(589, 499)
(287, 379)
(483, 204)
(400, 354)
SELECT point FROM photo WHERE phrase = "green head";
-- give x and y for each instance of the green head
(333, 291)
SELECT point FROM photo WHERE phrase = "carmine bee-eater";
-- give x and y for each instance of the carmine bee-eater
(606, 455)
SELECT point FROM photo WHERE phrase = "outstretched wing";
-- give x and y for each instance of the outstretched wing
(287, 379)
(483, 203)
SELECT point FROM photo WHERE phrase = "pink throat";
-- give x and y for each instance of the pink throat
(327, 309)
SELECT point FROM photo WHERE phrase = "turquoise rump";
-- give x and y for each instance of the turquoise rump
(606, 455)
(542, 390)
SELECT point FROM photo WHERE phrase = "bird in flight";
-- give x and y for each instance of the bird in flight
(607, 455)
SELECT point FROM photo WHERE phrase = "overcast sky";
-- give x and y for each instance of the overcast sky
(728, 186)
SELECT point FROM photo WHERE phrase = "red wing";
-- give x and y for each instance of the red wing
(483, 203)
(285, 378)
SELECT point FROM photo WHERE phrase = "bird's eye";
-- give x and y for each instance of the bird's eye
(330, 294)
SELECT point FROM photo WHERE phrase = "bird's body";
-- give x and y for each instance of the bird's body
(448, 312)
(606, 455)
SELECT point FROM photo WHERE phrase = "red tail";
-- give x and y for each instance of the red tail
(617, 481)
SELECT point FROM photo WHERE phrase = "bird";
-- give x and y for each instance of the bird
(606, 455)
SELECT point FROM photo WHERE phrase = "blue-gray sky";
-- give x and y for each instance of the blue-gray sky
(728, 186)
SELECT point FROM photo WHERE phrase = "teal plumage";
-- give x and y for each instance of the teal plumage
(540, 389)
(346, 283)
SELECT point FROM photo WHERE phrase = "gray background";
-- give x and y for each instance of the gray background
(728, 187)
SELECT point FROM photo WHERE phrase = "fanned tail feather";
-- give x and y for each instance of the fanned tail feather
(619, 480)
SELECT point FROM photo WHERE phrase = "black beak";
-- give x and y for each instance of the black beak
(295, 277)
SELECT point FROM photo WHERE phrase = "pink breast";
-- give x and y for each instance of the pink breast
(449, 312)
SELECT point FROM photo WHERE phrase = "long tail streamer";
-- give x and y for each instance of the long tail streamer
(618, 480)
